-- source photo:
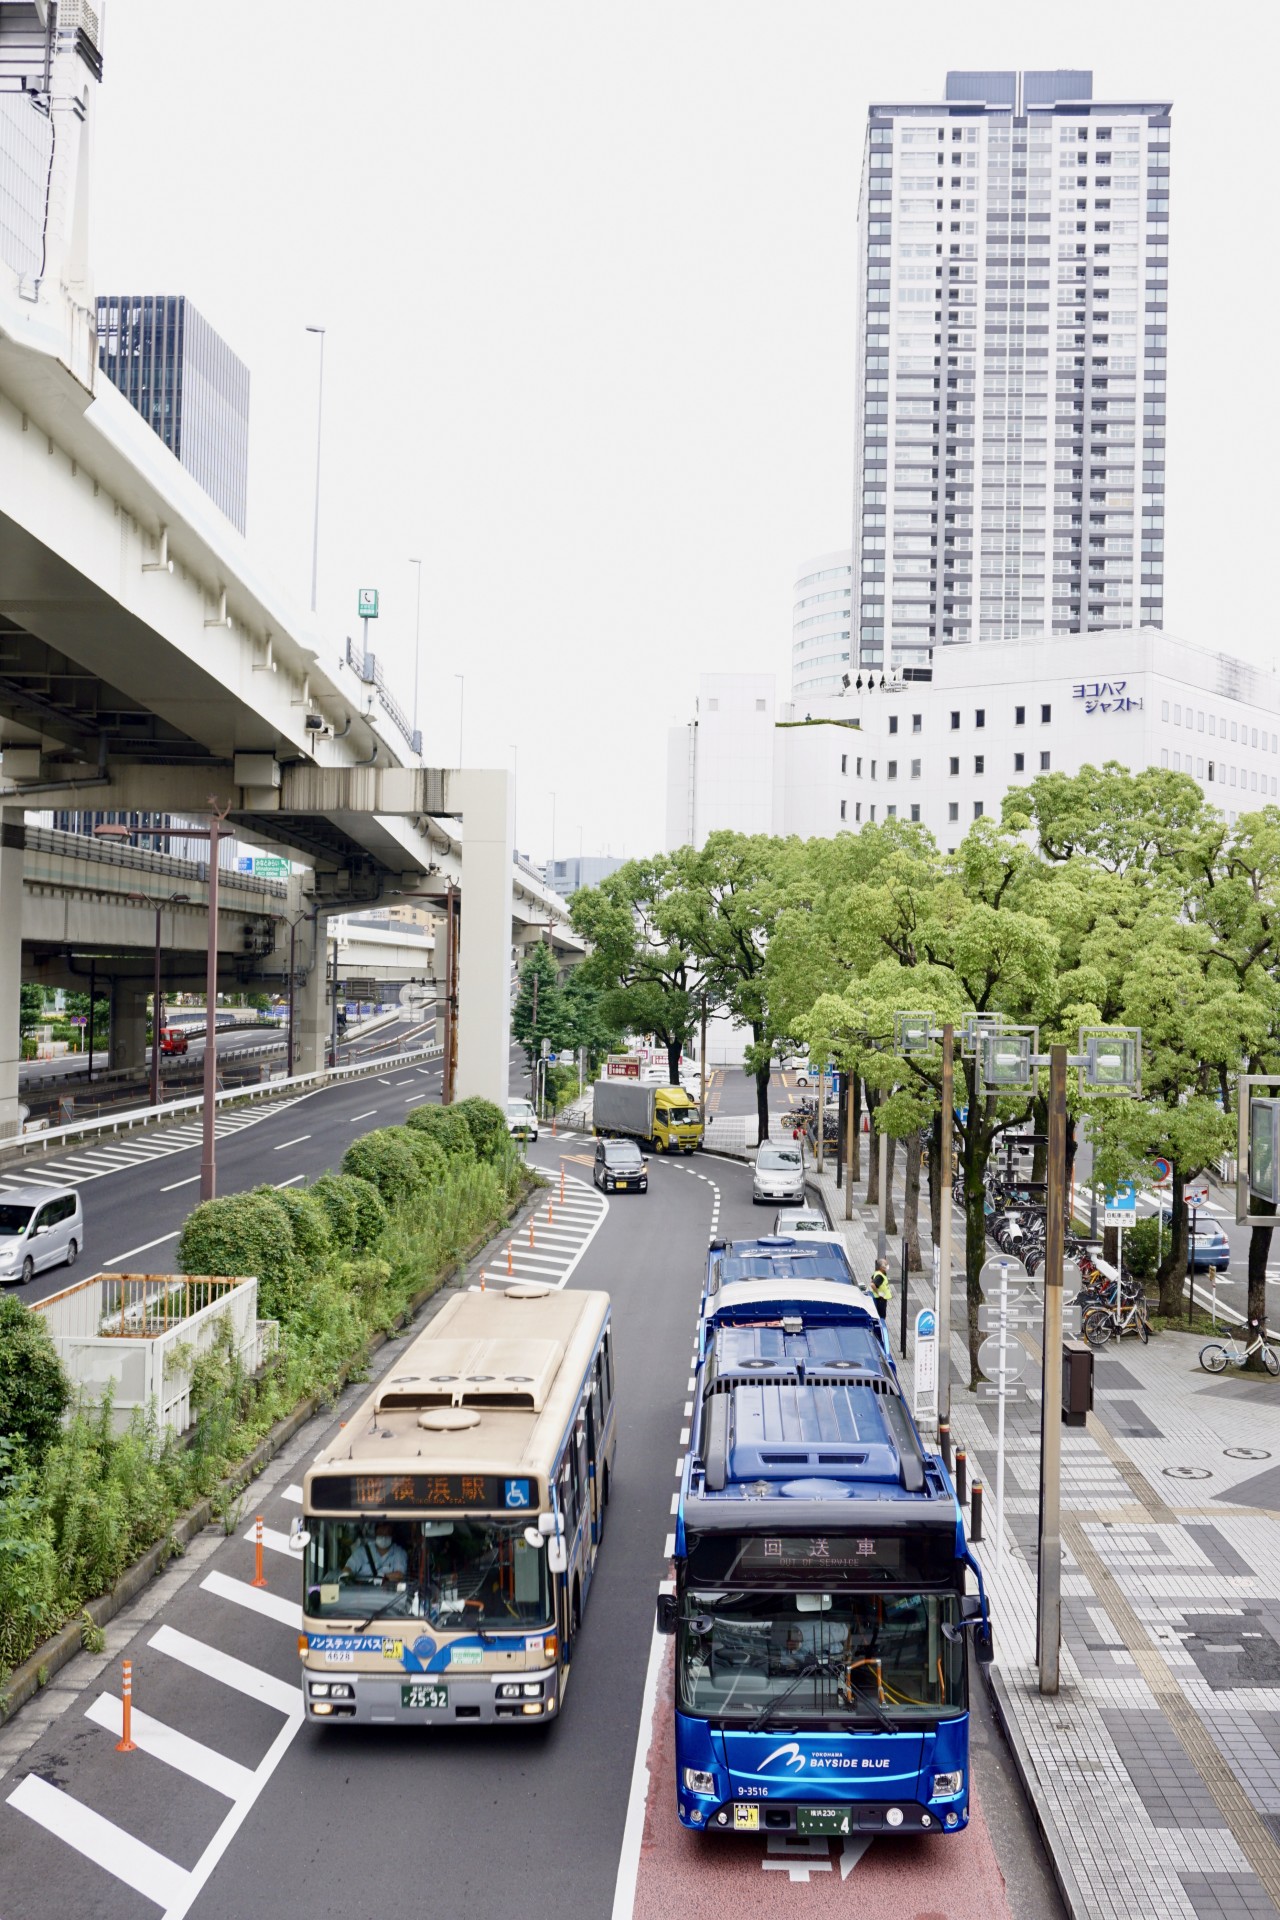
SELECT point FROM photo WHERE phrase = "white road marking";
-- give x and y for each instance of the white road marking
(689, 1387)
(294, 1493)
(273, 1540)
(255, 1599)
(188, 1182)
(624, 1891)
(675, 1503)
(684, 1436)
(290, 1183)
(412, 1099)
(363, 1116)
(688, 1408)
(149, 1873)
(144, 1248)
(176, 1749)
(291, 1143)
(251, 1681)
(680, 1465)
(668, 1546)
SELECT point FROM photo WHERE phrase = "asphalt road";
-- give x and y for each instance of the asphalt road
(353, 1823)
(134, 1210)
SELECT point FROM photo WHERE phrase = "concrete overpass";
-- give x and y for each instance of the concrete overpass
(148, 660)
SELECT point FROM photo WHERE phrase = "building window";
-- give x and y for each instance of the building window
(1199, 769)
(1233, 724)
(891, 813)
(844, 809)
(915, 808)
(857, 809)
(915, 769)
(955, 721)
(955, 763)
(1177, 718)
(980, 717)
(844, 763)
(1177, 764)
(857, 766)
(917, 722)
(1019, 762)
(1164, 760)
(1164, 709)
(1044, 763)
(1253, 736)
(891, 770)
(873, 811)
(761, 706)
(1019, 716)
(1046, 715)
(978, 809)
(979, 762)
(1199, 720)
(953, 810)
(713, 706)
(893, 723)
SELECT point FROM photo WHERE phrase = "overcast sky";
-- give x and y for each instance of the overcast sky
(587, 275)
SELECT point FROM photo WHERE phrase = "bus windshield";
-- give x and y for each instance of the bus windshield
(832, 1655)
(463, 1576)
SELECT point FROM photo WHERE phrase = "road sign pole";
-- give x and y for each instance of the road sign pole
(947, 1123)
(1004, 1339)
(1049, 1599)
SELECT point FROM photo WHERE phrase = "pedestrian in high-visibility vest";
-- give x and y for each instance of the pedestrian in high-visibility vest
(881, 1289)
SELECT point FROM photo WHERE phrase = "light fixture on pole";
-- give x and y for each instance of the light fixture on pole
(417, 642)
(315, 529)
(157, 1014)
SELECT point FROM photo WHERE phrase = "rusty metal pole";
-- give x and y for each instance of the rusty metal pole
(155, 1020)
(208, 1156)
(851, 1136)
(1049, 1597)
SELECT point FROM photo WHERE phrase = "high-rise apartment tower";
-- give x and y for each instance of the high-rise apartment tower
(1012, 310)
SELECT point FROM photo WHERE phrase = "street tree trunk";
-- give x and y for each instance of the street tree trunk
(856, 1161)
(1172, 1270)
(935, 1181)
(890, 1219)
(873, 1159)
(1259, 1254)
(975, 1253)
(674, 1049)
(911, 1202)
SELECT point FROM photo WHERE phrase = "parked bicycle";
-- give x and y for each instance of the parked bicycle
(1111, 1322)
(1219, 1354)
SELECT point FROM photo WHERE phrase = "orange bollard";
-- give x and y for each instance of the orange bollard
(482, 1286)
(551, 1218)
(126, 1743)
(531, 1230)
(259, 1577)
(510, 1268)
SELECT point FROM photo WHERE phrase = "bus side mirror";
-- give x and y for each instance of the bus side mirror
(557, 1554)
(299, 1538)
(984, 1647)
(666, 1613)
(546, 1525)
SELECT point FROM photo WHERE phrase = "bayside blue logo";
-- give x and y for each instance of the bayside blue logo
(926, 1325)
(517, 1493)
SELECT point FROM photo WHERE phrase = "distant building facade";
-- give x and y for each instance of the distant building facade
(821, 608)
(187, 384)
(566, 876)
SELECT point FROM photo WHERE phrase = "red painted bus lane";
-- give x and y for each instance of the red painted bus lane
(706, 1877)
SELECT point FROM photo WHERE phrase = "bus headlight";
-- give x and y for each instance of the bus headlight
(698, 1782)
(945, 1783)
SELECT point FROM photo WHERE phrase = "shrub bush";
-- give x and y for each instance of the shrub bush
(336, 1193)
(312, 1236)
(385, 1159)
(1140, 1248)
(432, 1160)
(488, 1125)
(34, 1391)
(447, 1126)
(28, 1567)
(244, 1233)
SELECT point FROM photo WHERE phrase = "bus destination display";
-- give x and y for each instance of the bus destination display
(382, 1492)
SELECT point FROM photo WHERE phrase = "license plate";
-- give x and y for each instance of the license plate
(822, 1820)
(417, 1693)
(746, 1817)
(621, 1185)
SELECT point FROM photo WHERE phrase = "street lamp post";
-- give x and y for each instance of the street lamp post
(515, 794)
(157, 1017)
(315, 528)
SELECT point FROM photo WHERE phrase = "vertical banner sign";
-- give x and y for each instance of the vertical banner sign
(926, 1375)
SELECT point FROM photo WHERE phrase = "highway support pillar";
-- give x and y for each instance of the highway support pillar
(483, 1022)
(310, 1013)
(129, 1024)
(12, 842)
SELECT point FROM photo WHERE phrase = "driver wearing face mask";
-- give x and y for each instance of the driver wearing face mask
(377, 1557)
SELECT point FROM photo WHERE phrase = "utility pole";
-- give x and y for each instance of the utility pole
(946, 1120)
(702, 1062)
(1049, 1608)
(208, 1152)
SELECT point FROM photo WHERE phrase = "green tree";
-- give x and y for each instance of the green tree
(649, 979)
(540, 1012)
(30, 1006)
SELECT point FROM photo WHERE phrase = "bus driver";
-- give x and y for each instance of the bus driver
(377, 1557)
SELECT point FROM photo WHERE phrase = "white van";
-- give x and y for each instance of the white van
(39, 1228)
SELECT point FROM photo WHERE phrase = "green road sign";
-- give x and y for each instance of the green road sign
(367, 603)
(271, 866)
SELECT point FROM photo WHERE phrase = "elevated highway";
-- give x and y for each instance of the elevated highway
(149, 661)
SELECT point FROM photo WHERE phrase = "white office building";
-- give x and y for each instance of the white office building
(1012, 311)
(821, 607)
(945, 750)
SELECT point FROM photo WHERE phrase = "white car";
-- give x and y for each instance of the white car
(799, 1220)
(778, 1174)
(522, 1120)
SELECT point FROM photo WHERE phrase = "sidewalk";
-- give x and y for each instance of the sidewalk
(1155, 1771)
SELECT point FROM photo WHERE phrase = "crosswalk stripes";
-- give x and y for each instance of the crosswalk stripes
(149, 1873)
(255, 1599)
(176, 1749)
(76, 1168)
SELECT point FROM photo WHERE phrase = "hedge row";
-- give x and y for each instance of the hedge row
(335, 1262)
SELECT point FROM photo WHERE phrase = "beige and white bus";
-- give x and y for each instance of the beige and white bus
(451, 1529)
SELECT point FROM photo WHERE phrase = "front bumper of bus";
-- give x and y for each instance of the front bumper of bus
(400, 1699)
(831, 1817)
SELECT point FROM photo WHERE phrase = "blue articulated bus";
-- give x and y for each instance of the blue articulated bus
(820, 1605)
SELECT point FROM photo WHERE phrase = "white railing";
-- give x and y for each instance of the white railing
(40, 1141)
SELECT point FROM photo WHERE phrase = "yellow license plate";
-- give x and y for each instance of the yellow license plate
(746, 1817)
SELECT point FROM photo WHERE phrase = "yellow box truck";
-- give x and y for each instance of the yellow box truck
(665, 1118)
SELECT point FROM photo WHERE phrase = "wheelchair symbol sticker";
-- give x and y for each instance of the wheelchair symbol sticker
(517, 1493)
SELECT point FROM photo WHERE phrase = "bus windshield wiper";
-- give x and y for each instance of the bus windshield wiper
(808, 1671)
(378, 1612)
(874, 1705)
